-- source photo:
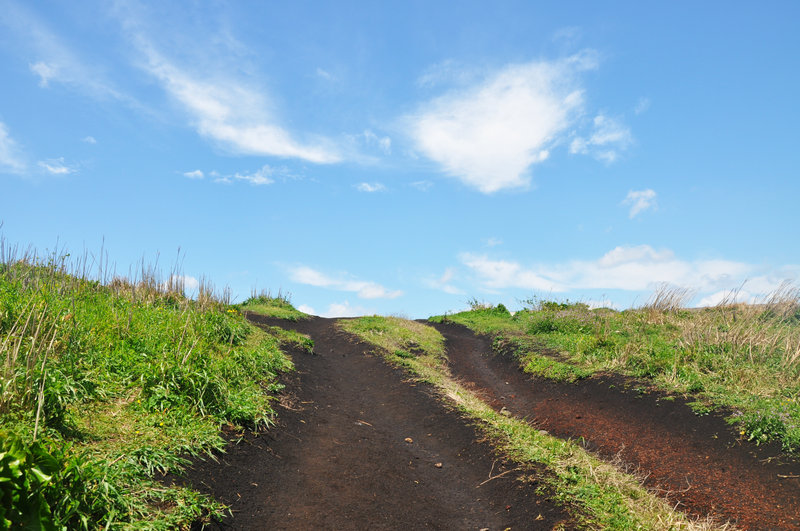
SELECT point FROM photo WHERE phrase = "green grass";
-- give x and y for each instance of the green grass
(278, 306)
(106, 385)
(601, 495)
(745, 358)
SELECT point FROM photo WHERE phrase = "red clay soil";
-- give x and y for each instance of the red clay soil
(358, 447)
(696, 461)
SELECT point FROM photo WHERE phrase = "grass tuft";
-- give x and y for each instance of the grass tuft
(279, 306)
(107, 383)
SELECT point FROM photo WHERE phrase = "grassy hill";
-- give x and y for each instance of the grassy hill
(105, 385)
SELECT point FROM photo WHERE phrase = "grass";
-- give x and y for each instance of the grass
(741, 357)
(278, 306)
(603, 495)
(106, 384)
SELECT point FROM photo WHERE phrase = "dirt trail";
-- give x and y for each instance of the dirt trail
(697, 459)
(339, 458)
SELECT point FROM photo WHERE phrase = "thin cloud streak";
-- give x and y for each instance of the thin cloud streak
(11, 159)
(640, 200)
(364, 289)
(626, 268)
(223, 108)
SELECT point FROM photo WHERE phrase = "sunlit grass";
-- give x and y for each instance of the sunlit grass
(278, 306)
(105, 385)
(745, 357)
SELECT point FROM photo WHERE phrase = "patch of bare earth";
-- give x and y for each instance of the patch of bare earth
(697, 462)
(358, 447)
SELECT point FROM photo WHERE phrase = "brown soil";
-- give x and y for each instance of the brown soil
(696, 461)
(357, 447)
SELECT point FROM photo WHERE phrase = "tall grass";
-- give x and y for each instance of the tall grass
(742, 356)
(110, 380)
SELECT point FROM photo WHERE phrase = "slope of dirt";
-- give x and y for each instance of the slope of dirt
(695, 460)
(339, 457)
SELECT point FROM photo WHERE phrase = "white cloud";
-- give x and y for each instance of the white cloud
(324, 74)
(422, 186)
(336, 309)
(265, 175)
(383, 143)
(56, 166)
(259, 177)
(443, 283)
(54, 60)
(608, 137)
(642, 105)
(11, 160)
(370, 187)
(498, 274)
(305, 308)
(345, 309)
(640, 200)
(228, 111)
(628, 268)
(196, 174)
(494, 242)
(45, 71)
(446, 72)
(364, 289)
(491, 133)
(90, 140)
(727, 296)
(187, 283)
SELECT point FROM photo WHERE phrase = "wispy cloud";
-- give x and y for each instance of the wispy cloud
(45, 71)
(642, 105)
(337, 309)
(259, 177)
(324, 74)
(489, 134)
(444, 284)
(196, 174)
(422, 186)
(53, 59)
(89, 140)
(225, 107)
(11, 159)
(370, 187)
(384, 143)
(639, 201)
(363, 289)
(56, 166)
(628, 268)
(608, 138)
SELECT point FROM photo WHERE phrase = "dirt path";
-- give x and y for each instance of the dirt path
(339, 458)
(697, 459)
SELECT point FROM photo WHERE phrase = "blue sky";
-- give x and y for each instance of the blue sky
(406, 157)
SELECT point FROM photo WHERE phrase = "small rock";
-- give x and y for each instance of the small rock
(409, 440)
(438, 465)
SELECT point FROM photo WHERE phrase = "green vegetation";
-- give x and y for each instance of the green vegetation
(104, 385)
(278, 306)
(605, 496)
(742, 357)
